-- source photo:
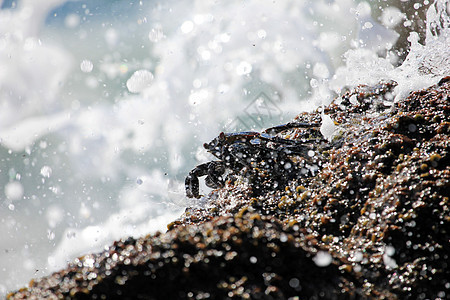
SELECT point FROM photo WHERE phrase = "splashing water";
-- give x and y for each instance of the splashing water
(425, 64)
(101, 117)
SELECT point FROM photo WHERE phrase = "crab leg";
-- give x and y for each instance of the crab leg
(276, 129)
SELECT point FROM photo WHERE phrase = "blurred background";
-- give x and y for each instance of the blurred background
(104, 105)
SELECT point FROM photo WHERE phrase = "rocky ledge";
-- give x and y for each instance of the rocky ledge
(371, 221)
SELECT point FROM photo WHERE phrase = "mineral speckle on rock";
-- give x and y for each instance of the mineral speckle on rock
(371, 223)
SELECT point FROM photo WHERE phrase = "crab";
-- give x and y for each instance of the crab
(258, 156)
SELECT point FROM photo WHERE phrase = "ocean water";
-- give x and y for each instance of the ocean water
(105, 105)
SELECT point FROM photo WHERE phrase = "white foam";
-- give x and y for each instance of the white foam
(424, 65)
(392, 16)
(20, 135)
(123, 224)
(327, 128)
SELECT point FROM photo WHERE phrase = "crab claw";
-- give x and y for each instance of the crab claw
(214, 179)
(191, 183)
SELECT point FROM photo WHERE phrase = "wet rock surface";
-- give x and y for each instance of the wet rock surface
(372, 222)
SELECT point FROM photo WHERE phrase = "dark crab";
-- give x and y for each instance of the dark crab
(258, 156)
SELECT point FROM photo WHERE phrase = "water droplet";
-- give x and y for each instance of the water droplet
(14, 190)
(322, 259)
(187, 27)
(155, 35)
(262, 34)
(412, 127)
(358, 256)
(294, 283)
(50, 235)
(111, 37)
(42, 145)
(72, 21)
(140, 80)
(86, 66)
(244, 68)
(46, 171)
(390, 250)
(54, 215)
(367, 25)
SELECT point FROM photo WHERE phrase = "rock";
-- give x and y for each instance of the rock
(371, 223)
